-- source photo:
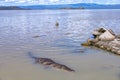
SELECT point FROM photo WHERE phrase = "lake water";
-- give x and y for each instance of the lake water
(35, 31)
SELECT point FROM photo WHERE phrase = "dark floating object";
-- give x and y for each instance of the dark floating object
(50, 62)
(105, 39)
(57, 24)
(35, 36)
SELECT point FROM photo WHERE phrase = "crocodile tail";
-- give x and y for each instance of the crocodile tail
(30, 54)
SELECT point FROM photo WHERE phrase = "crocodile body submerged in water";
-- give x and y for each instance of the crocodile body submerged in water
(50, 62)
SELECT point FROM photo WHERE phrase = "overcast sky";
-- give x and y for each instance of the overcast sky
(31, 2)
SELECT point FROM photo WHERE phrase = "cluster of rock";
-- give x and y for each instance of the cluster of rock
(105, 39)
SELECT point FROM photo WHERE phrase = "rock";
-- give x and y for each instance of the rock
(111, 31)
(118, 52)
(118, 36)
(105, 39)
(88, 43)
(106, 36)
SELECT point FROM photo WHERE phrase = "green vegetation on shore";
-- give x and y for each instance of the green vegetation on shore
(10, 8)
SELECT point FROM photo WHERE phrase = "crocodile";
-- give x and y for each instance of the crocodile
(50, 62)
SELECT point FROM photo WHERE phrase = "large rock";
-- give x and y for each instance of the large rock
(105, 39)
(106, 36)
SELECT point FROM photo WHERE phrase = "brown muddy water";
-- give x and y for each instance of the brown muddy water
(36, 31)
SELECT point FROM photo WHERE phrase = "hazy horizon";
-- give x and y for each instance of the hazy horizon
(54, 2)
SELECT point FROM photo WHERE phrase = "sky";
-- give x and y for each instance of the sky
(34, 2)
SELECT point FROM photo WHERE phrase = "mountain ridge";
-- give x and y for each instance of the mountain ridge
(65, 6)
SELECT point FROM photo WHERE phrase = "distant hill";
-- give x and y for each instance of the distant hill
(62, 6)
(10, 8)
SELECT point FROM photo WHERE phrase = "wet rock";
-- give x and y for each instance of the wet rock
(118, 52)
(88, 43)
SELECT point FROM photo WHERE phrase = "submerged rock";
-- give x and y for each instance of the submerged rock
(104, 39)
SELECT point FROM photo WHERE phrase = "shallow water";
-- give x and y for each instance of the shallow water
(35, 31)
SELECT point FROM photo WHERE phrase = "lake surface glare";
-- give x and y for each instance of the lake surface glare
(35, 31)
